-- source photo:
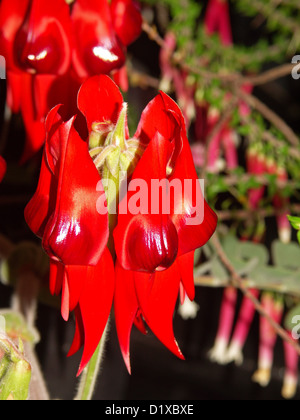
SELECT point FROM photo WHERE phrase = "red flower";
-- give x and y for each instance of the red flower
(217, 20)
(2, 168)
(50, 51)
(158, 248)
(154, 249)
(63, 212)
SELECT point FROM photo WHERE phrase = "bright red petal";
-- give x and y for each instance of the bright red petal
(95, 304)
(56, 277)
(120, 77)
(97, 48)
(139, 322)
(125, 308)
(38, 94)
(43, 43)
(12, 14)
(76, 276)
(100, 100)
(145, 238)
(195, 221)
(156, 118)
(127, 19)
(14, 90)
(78, 340)
(38, 210)
(76, 234)
(65, 299)
(157, 295)
(34, 125)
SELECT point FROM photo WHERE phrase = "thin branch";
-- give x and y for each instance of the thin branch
(234, 81)
(231, 180)
(263, 213)
(178, 59)
(238, 282)
(269, 75)
(142, 80)
(271, 116)
(214, 282)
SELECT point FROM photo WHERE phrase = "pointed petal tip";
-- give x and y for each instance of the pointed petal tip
(126, 358)
(178, 353)
(80, 369)
(65, 314)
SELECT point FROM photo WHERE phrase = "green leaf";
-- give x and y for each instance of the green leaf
(295, 221)
(286, 255)
(298, 236)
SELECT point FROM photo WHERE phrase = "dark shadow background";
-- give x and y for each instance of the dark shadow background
(156, 373)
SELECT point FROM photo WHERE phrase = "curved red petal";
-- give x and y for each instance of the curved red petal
(38, 210)
(57, 134)
(56, 277)
(139, 322)
(38, 94)
(100, 100)
(186, 268)
(125, 309)
(127, 19)
(145, 237)
(195, 221)
(65, 298)
(12, 13)
(78, 340)
(76, 233)
(156, 118)
(76, 276)
(43, 42)
(120, 77)
(34, 123)
(95, 304)
(157, 295)
(97, 48)
(14, 90)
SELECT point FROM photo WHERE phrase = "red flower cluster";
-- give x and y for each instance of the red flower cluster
(51, 48)
(139, 259)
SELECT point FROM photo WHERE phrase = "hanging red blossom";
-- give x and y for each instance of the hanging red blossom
(50, 49)
(153, 249)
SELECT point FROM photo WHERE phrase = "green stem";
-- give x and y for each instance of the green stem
(90, 373)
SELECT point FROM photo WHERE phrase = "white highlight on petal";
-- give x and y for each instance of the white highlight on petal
(104, 54)
(40, 56)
